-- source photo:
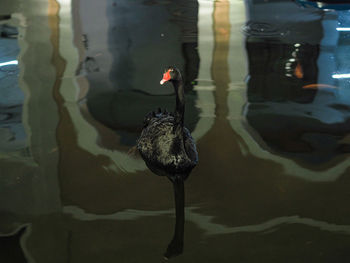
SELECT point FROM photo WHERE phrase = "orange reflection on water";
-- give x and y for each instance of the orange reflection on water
(318, 86)
(298, 72)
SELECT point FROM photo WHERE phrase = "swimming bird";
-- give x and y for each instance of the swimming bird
(168, 149)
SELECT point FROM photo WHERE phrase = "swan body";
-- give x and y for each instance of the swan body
(166, 146)
(167, 152)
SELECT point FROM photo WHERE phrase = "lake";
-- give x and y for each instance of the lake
(267, 87)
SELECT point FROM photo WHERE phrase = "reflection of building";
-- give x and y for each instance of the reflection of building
(296, 109)
(28, 121)
(27, 138)
(126, 57)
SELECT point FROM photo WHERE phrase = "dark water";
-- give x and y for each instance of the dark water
(267, 100)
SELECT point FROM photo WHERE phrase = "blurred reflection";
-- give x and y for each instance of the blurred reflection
(123, 58)
(326, 4)
(296, 107)
(10, 247)
(12, 133)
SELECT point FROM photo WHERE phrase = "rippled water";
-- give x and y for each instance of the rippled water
(267, 101)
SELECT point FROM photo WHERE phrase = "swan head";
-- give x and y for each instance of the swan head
(171, 74)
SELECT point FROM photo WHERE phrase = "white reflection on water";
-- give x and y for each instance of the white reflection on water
(341, 76)
(205, 222)
(343, 28)
(12, 62)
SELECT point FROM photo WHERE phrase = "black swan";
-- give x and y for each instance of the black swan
(168, 149)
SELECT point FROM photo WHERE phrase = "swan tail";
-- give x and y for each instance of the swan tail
(133, 152)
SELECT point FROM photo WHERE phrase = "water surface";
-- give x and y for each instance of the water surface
(267, 100)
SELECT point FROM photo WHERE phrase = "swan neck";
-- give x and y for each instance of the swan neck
(180, 102)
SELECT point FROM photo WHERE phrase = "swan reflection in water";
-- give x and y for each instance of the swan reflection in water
(168, 149)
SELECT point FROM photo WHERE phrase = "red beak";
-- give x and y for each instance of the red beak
(166, 77)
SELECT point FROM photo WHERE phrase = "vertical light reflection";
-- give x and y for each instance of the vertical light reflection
(58, 62)
(221, 142)
(220, 75)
